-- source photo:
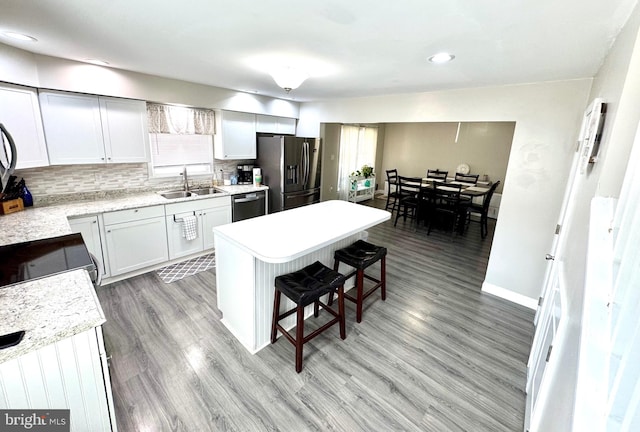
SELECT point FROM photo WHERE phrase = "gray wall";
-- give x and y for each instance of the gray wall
(412, 148)
(330, 136)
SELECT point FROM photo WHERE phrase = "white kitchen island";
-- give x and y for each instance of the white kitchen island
(251, 253)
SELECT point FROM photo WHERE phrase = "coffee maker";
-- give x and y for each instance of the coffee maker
(245, 174)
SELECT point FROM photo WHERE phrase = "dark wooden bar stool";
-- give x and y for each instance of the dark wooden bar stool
(304, 287)
(361, 255)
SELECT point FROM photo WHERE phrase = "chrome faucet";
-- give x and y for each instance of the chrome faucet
(185, 179)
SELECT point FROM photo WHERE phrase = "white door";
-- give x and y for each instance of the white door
(548, 320)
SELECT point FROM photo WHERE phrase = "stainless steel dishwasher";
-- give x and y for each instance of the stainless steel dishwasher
(248, 205)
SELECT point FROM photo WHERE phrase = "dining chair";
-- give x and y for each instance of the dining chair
(437, 174)
(481, 211)
(393, 193)
(448, 209)
(409, 190)
(471, 179)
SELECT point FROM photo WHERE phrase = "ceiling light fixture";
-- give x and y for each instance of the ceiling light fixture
(288, 77)
(442, 57)
(97, 62)
(20, 36)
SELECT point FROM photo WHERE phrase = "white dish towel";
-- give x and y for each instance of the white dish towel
(189, 228)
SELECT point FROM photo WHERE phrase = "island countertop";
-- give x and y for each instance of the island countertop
(284, 236)
(48, 310)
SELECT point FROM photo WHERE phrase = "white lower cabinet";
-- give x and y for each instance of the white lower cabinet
(209, 213)
(135, 239)
(89, 227)
(69, 374)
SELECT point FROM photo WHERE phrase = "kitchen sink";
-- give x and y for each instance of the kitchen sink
(176, 194)
(205, 191)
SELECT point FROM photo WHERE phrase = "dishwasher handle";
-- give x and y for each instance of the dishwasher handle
(247, 198)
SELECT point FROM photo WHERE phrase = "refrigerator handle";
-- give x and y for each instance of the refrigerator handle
(306, 163)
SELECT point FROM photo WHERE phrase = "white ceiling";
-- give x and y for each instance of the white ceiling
(350, 48)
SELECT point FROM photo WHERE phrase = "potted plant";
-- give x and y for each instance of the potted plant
(367, 171)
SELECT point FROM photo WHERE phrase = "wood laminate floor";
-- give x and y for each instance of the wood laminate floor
(437, 355)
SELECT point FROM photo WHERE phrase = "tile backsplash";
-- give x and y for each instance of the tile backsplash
(44, 182)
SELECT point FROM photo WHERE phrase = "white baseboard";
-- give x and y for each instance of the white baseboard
(510, 295)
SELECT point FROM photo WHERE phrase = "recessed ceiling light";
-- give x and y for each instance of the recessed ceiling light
(441, 58)
(20, 36)
(97, 62)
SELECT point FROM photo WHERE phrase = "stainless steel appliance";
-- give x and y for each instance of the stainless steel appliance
(8, 157)
(35, 259)
(291, 168)
(246, 206)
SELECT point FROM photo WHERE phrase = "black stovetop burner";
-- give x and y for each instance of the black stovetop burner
(35, 259)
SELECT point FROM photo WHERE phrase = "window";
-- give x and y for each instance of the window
(180, 136)
(169, 153)
(357, 148)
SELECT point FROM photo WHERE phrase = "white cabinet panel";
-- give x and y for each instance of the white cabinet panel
(20, 114)
(125, 130)
(89, 227)
(211, 218)
(87, 129)
(72, 128)
(65, 375)
(235, 135)
(179, 246)
(277, 125)
(136, 244)
(210, 213)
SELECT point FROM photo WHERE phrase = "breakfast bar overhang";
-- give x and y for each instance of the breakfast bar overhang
(251, 253)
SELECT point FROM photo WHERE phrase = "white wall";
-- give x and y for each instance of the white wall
(618, 83)
(547, 117)
(21, 67)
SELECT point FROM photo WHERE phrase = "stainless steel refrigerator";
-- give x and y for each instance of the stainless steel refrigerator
(291, 168)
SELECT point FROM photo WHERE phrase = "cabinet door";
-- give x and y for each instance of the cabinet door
(20, 114)
(266, 124)
(178, 245)
(286, 126)
(212, 218)
(135, 245)
(124, 126)
(277, 125)
(72, 128)
(236, 137)
(90, 230)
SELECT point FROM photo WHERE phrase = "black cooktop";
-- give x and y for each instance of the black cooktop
(39, 258)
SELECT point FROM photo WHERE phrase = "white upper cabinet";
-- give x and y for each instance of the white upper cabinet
(87, 129)
(276, 125)
(125, 130)
(20, 114)
(235, 135)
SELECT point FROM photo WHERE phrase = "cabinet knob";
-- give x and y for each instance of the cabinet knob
(108, 231)
(135, 211)
(94, 222)
(101, 158)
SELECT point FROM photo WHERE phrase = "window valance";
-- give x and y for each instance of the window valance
(180, 120)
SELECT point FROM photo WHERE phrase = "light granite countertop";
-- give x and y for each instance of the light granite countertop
(35, 223)
(48, 310)
(59, 306)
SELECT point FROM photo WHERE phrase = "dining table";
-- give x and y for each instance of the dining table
(468, 189)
